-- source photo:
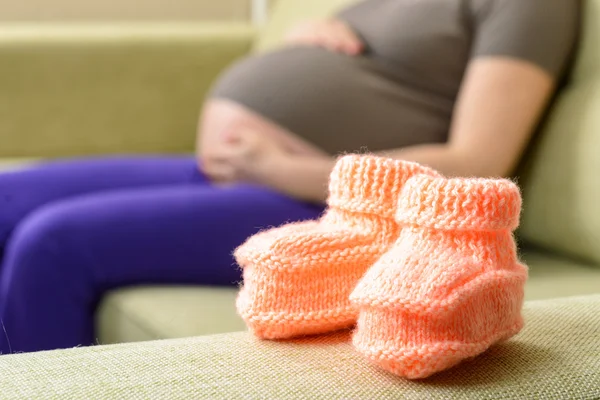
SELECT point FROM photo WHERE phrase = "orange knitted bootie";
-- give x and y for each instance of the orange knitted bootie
(298, 277)
(451, 285)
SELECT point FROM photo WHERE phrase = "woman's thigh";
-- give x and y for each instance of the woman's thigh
(168, 234)
(64, 256)
(23, 191)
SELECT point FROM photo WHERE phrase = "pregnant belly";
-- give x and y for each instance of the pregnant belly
(337, 102)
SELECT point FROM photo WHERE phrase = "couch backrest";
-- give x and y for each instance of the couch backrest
(561, 178)
(124, 10)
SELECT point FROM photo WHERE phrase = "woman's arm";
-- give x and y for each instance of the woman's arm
(519, 49)
(498, 108)
(500, 103)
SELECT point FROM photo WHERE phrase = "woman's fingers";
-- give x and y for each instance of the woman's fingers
(301, 33)
(332, 34)
(336, 36)
(226, 162)
(349, 43)
(219, 164)
(329, 40)
(219, 171)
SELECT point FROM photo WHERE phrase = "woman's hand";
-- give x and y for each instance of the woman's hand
(250, 156)
(245, 156)
(331, 34)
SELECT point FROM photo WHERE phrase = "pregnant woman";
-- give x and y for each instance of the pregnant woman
(458, 85)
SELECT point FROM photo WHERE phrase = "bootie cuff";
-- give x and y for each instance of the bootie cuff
(370, 184)
(459, 203)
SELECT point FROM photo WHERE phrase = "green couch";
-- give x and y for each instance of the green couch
(71, 90)
(561, 222)
(556, 357)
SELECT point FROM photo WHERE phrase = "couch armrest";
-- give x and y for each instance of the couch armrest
(122, 88)
(556, 356)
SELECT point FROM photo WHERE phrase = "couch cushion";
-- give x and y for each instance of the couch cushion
(287, 13)
(561, 182)
(552, 276)
(555, 357)
(11, 164)
(148, 313)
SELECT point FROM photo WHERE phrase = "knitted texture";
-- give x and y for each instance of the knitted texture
(451, 285)
(298, 277)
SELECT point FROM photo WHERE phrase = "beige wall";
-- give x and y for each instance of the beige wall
(93, 10)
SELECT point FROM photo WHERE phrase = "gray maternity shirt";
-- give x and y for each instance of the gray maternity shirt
(402, 90)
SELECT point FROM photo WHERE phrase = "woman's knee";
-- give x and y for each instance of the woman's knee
(47, 236)
(11, 203)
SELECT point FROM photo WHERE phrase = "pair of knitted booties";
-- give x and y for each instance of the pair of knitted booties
(425, 266)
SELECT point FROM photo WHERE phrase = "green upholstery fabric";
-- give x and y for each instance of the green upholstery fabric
(10, 164)
(148, 313)
(556, 356)
(74, 90)
(287, 13)
(167, 312)
(561, 182)
(90, 89)
(552, 276)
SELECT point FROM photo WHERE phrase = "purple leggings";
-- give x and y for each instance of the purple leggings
(71, 231)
